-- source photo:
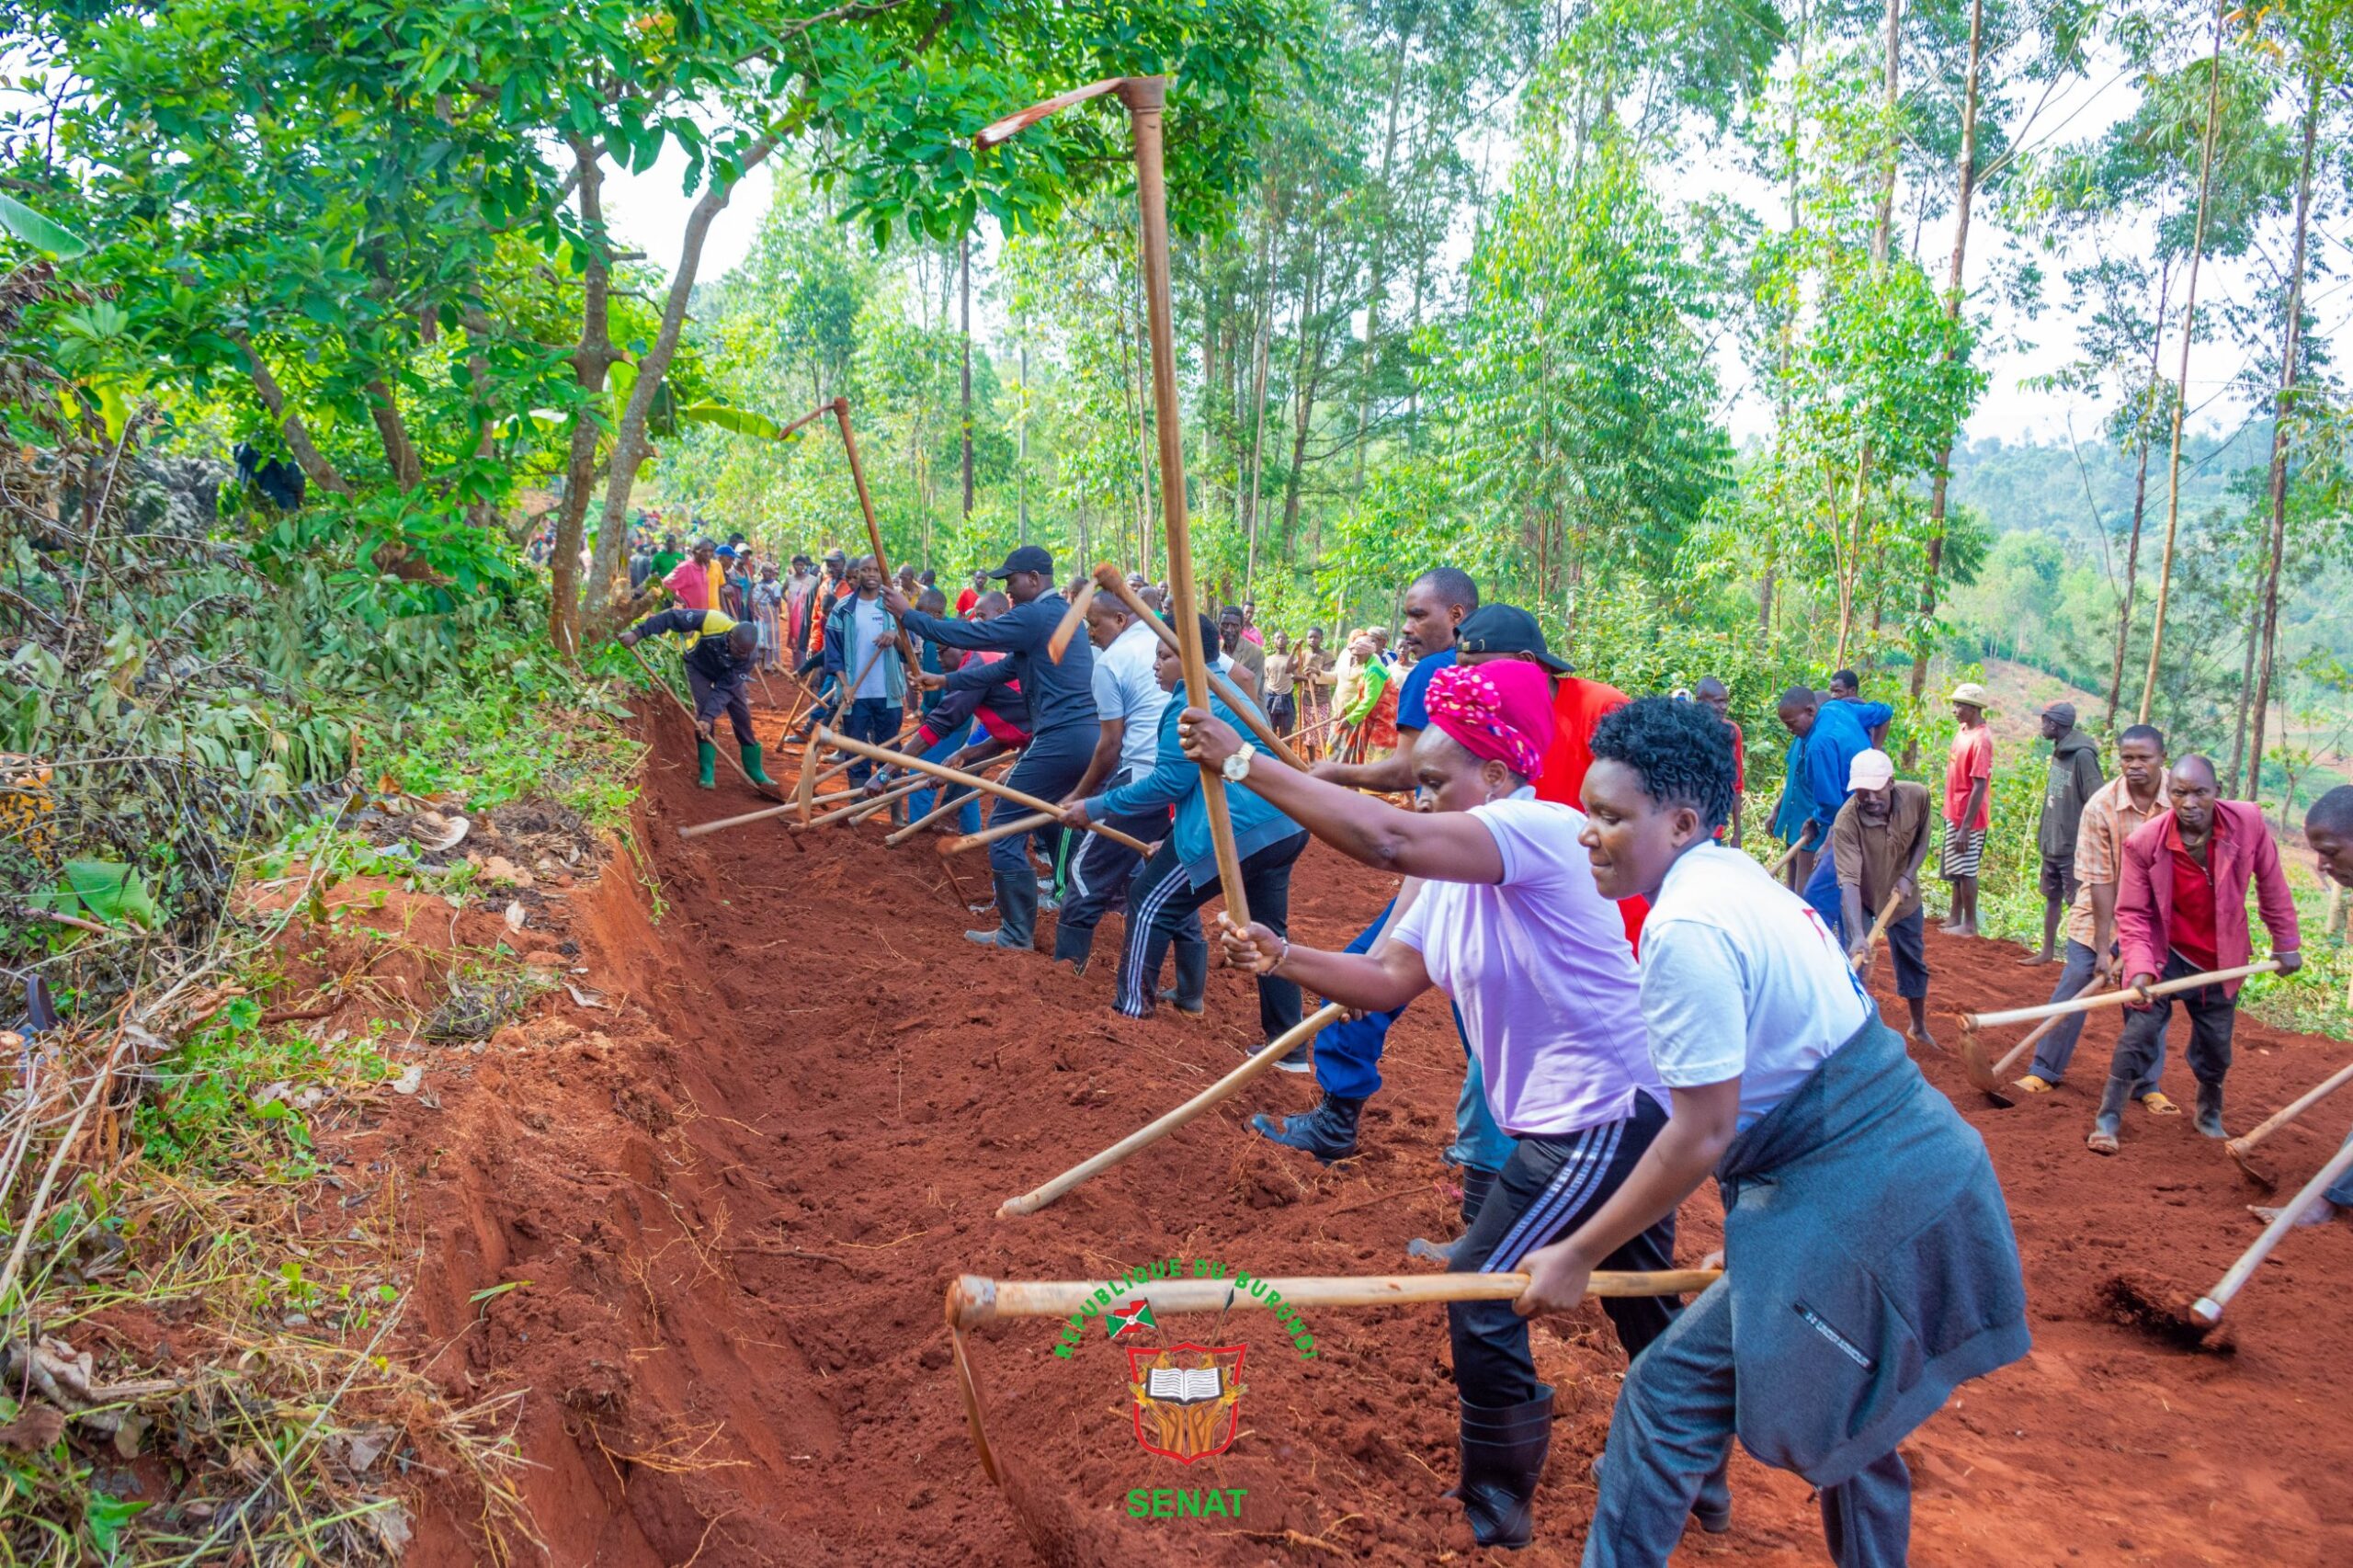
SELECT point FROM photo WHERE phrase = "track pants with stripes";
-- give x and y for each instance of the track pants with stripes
(1163, 902)
(1546, 1189)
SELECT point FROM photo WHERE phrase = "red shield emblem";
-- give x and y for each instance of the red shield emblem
(1187, 1398)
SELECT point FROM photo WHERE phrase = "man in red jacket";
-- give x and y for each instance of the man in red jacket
(2181, 910)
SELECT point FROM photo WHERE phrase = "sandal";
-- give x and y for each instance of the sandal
(2156, 1104)
(2034, 1084)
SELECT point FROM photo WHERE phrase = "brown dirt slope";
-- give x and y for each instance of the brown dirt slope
(738, 1188)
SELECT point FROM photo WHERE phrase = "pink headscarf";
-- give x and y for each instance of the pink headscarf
(1501, 710)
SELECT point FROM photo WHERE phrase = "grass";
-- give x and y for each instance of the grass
(164, 1183)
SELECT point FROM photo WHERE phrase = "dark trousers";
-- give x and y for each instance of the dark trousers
(1283, 715)
(875, 720)
(713, 698)
(1907, 945)
(2213, 1012)
(1163, 902)
(1049, 766)
(1547, 1188)
(1671, 1433)
(1347, 1054)
(1098, 873)
(2058, 1047)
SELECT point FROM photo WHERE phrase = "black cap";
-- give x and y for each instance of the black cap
(1506, 628)
(1028, 558)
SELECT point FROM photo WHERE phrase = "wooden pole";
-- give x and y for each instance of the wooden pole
(1108, 579)
(2239, 1148)
(1879, 929)
(973, 781)
(2208, 1309)
(995, 830)
(974, 1301)
(865, 504)
(1145, 97)
(933, 815)
(2116, 998)
(1153, 1131)
(1073, 618)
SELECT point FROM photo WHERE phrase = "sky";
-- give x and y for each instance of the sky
(650, 212)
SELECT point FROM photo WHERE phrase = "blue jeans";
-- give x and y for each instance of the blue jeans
(919, 804)
(875, 720)
(1478, 1141)
(1671, 1432)
(2058, 1048)
(1348, 1055)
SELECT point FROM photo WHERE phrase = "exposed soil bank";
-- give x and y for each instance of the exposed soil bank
(738, 1189)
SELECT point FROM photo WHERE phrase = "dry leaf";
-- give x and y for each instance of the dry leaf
(36, 1429)
(515, 915)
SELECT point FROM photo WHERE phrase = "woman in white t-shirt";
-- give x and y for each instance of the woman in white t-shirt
(1509, 925)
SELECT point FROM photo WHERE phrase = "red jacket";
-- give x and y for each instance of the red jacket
(2241, 852)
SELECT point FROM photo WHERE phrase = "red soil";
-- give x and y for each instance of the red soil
(739, 1190)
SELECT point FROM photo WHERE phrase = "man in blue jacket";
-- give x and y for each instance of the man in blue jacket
(861, 645)
(1181, 876)
(1833, 733)
(1062, 723)
(1869, 1268)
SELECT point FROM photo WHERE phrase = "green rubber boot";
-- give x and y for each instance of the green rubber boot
(706, 763)
(750, 754)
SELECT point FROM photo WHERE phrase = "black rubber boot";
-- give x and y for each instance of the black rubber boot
(2209, 1110)
(1018, 916)
(1328, 1132)
(1504, 1448)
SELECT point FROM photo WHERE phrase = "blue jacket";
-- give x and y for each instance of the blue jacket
(1870, 1262)
(1176, 780)
(894, 679)
(1061, 696)
(1841, 731)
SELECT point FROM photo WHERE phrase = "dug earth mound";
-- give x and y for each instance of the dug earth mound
(699, 1209)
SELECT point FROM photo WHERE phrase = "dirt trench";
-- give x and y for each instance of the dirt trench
(738, 1186)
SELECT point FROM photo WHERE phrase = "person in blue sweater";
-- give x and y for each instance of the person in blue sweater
(1834, 734)
(1062, 723)
(1182, 874)
(1869, 1268)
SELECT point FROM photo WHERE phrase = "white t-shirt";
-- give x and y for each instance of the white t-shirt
(1741, 978)
(1127, 688)
(1539, 965)
(867, 620)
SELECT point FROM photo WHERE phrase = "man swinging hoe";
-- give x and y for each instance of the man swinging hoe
(718, 662)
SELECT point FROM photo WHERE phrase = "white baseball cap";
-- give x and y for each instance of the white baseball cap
(1871, 770)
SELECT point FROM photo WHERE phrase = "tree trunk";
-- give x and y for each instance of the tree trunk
(1884, 225)
(2246, 684)
(592, 360)
(1939, 487)
(2181, 388)
(629, 448)
(964, 274)
(2291, 344)
(307, 456)
(1378, 282)
(1249, 499)
(2131, 568)
(400, 452)
(1309, 370)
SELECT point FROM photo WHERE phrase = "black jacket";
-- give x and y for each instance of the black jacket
(710, 657)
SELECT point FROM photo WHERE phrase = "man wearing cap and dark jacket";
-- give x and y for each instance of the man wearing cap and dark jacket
(2074, 778)
(1063, 727)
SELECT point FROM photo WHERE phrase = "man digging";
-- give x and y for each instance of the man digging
(1877, 843)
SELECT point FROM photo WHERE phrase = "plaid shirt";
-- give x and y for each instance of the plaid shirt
(2110, 818)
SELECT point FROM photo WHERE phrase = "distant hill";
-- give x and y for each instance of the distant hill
(2061, 489)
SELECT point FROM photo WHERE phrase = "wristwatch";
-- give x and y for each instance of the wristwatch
(1237, 766)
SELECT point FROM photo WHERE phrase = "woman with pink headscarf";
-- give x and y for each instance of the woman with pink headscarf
(1511, 926)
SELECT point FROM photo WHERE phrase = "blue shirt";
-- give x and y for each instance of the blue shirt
(1841, 731)
(1413, 703)
(1061, 696)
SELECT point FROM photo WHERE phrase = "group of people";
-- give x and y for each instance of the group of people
(1641, 1003)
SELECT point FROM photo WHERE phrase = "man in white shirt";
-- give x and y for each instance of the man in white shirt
(1129, 701)
(1869, 1268)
